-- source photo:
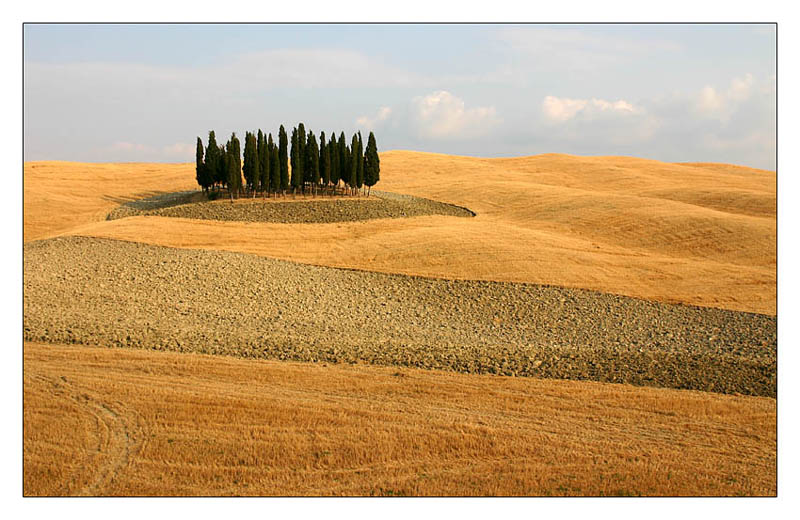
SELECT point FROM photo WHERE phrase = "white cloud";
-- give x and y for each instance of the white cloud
(441, 115)
(563, 109)
(720, 105)
(371, 122)
(740, 89)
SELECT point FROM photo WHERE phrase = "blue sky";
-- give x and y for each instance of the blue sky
(145, 92)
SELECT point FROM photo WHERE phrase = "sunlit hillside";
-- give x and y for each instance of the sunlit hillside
(702, 234)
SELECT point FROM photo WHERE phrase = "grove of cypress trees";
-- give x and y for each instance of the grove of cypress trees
(372, 164)
(283, 159)
(265, 164)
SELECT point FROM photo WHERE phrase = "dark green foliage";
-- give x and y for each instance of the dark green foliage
(360, 163)
(283, 159)
(311, 160)
(263, 162)
(354, 160)
(251, 172)
(234, 165)
(274, 166)
(324, 160)
(301, 154)
(297, 173)
(372, 163)
(344, 160)
(237, 156)
(213, 159)
(333, 151)
(200, 165)
(222, 167)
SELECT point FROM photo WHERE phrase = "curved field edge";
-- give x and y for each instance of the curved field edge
(136, 295)
(289, 209)
(221, 426)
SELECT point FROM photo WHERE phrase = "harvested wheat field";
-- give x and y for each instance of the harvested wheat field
(546, 325)
(127, 422)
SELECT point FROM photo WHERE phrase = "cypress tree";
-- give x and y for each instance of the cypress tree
(274, 166)
(324, 161)
(234, 166)
(222, 167)
(297, 173)
(354, 162)
(251, 163)
(372, 164)
(312, 161)
(200, 165)
(333, 149)
(283, 159)
(213, 158)
(301, 155)
(263, 162)
(344, 160)
(248, 161)
(360, 163)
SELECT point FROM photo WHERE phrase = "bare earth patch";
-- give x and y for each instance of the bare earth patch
(137, 295)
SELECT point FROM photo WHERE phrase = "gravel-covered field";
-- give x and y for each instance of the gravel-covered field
(111, 293)
(292, 210)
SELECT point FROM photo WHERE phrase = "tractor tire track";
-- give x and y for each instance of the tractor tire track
(119, 438)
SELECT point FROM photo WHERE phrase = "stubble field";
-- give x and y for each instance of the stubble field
(122, 421)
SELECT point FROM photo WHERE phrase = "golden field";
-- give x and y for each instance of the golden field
(121, 422)
(126, 422)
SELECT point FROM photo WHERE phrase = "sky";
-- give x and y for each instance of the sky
(144, 93)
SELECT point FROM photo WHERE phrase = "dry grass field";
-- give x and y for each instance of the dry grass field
(118, 422)
(126, 422)
(677, 233)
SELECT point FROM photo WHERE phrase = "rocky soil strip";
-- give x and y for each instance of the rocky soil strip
(112, 293)
(293, 211)
(165, 200)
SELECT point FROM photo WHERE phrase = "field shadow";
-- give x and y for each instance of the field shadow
(177, 204)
